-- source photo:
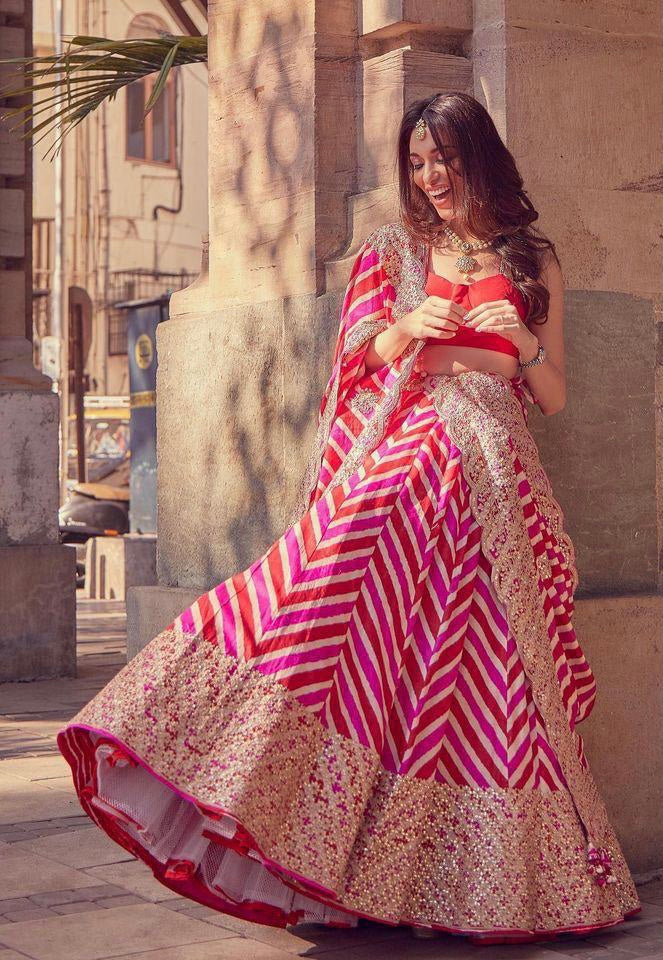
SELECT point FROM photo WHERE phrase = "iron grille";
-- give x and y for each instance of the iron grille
(136, 285)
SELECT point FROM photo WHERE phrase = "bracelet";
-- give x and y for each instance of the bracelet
(539, 358)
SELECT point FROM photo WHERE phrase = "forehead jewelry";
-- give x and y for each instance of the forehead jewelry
(420, 129)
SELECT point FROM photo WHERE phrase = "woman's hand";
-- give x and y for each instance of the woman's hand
(435, 317)
(500, 316)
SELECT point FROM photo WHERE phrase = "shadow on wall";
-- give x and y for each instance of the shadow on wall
(276, 353)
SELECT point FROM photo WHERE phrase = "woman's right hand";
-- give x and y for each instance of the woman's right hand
(434, 318)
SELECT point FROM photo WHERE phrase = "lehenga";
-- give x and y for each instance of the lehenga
(377, 718)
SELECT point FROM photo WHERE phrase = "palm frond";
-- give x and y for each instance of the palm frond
(92, 70)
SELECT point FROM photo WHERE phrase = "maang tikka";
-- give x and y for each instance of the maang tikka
(420, 129)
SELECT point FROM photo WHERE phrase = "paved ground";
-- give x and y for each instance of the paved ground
(69, 893)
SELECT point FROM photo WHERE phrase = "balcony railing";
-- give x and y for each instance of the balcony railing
(137, 285)
(123, 285)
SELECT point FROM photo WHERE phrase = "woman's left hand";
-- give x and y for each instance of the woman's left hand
(495, 316)
(501, 316)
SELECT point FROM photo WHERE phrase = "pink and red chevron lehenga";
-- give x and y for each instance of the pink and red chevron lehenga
(378, 718)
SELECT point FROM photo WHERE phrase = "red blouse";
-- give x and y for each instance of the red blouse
(496, 287)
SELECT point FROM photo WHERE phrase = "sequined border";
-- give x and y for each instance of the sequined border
(485, 421)
(321, 806)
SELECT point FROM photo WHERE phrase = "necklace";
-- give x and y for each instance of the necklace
(465, 263)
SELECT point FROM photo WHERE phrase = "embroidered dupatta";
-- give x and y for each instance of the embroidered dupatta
(486, 418)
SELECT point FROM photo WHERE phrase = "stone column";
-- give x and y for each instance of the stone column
(244, 355)
(37, 574)
(241, 361)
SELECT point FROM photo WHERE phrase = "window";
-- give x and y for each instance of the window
(151, 138)
(135, 130)
(117, 333)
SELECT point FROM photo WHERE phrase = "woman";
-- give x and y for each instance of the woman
(378, 717)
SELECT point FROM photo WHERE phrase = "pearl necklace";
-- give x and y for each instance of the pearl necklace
(465, 263)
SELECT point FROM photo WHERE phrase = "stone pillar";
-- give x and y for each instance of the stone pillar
(244, 355)
(241, 359)
(37, 574)
(303, 110)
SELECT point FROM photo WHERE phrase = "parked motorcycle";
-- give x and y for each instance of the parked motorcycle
(98, 508)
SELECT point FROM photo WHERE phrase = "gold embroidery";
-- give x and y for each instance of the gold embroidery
(485, 421)
(363, 400)
(361, 333)
(320, 805)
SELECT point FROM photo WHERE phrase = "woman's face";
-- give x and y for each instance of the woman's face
(431, 175)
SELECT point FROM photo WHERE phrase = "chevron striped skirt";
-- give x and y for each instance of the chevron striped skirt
(346, 729)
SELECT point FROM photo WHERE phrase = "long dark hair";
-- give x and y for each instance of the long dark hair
(494, 205)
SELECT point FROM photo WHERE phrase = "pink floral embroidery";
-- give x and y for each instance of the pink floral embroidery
(600, 865)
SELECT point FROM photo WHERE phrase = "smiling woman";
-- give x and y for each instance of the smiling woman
(379, 717)
(439, 191)
(457, 173)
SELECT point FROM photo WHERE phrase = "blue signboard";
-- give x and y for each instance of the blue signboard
(143, 318)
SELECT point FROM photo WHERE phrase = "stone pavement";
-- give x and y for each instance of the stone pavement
(68, 893)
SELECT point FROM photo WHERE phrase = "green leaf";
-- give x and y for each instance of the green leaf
(90, 72)
(161, 79)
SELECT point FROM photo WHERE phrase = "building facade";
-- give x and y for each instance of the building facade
(134, 190)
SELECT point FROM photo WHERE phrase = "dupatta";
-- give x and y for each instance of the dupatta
(486, 418)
